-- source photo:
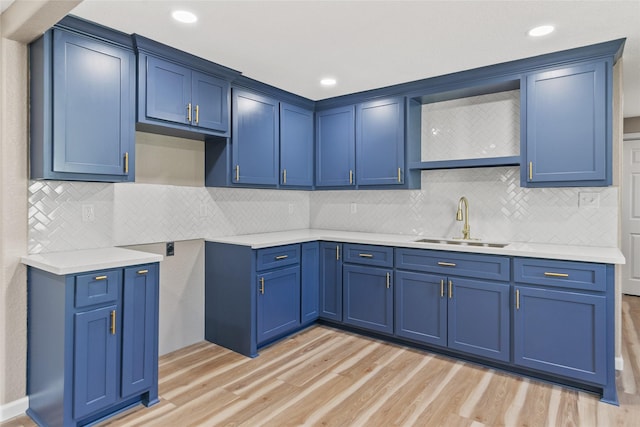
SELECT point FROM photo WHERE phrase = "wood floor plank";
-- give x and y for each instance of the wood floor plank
(323, 376)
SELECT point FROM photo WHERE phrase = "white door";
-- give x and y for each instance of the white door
(631, 214)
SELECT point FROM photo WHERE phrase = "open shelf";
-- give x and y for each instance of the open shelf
(466, 163)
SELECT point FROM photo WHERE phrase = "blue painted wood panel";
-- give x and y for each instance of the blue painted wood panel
(561, 332)
(331, 281)
(210, 102)
(381, 256)
(565, 274)
(310, 282)
(479, 318)
(255, 130)
(368, 297)
(335, 147)
(93, 107)
(230, 311)
(380, 142)
(98, 288)
(296, 146)
(566, 125)
(140, 328)
(278, 302)
(421, 307)
(168, 89)
(479, 266)
(95, 360)
(276, 257)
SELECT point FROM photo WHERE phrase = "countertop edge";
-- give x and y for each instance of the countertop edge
(86, 260)
(607, 255)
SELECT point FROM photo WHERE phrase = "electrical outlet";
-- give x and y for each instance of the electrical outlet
(588, 199)
(354, 208)
(170, 248)
(290, 208)
(88, 213)
(203, 210)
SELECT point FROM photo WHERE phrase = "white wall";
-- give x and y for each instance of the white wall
(181, 294)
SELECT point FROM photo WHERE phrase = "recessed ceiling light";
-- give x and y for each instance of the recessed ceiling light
(540, 31)
(184, 16)
(328, 81)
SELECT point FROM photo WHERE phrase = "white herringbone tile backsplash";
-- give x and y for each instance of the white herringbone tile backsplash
(129, 214)
(474, 127)
(499, 209)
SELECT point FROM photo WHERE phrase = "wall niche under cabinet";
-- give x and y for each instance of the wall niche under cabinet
(474, 127)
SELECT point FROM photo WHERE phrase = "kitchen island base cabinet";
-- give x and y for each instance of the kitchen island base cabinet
(93, 343)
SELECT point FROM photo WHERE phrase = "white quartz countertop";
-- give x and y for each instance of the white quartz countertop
(520, 249)
(71, 262)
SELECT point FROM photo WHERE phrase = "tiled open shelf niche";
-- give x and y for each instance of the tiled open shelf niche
(475, 127)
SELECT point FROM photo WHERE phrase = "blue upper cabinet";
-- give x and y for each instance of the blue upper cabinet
(255, 148)
(82, 108)
(335, 147)
(296, 146)
(178, 97)
(380, 142)
(567, 126)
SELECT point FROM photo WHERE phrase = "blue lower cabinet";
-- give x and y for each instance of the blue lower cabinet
(140, 314)
(421, 307)
(561, 332)
(269, 292)
(95, 361)
(479, 318)
(310, 282)
(330, 286)
(368, 297)
(88, 359)
(278, 303)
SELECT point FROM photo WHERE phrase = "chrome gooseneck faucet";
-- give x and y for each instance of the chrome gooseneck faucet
(466, 230)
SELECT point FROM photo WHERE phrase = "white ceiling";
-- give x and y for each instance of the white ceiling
(370, 44)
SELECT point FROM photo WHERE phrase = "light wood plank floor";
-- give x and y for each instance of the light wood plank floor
(327, 377)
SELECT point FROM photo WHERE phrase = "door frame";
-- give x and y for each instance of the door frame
(623, 201)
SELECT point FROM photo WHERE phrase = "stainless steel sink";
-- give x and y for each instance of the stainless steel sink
(463, 242)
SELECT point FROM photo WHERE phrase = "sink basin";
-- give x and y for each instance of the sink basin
(462, 242)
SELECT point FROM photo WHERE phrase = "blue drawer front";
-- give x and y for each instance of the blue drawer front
(98, 287)
(566, 274)
(380, 256)
(455, 263)
(279, 256)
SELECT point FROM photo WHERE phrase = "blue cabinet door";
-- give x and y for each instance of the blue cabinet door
(421, 307)
(95, 360)
(380, 142)
(168, 91)
(479, 318)
(330, 281)
(368, 297)
(93, 106)
(335, 147)
(278, 302)
(567, 135)
(561, 332)
(310, 282)
(209, 97)
(296, 146)
(254, 143)
(139, 329)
